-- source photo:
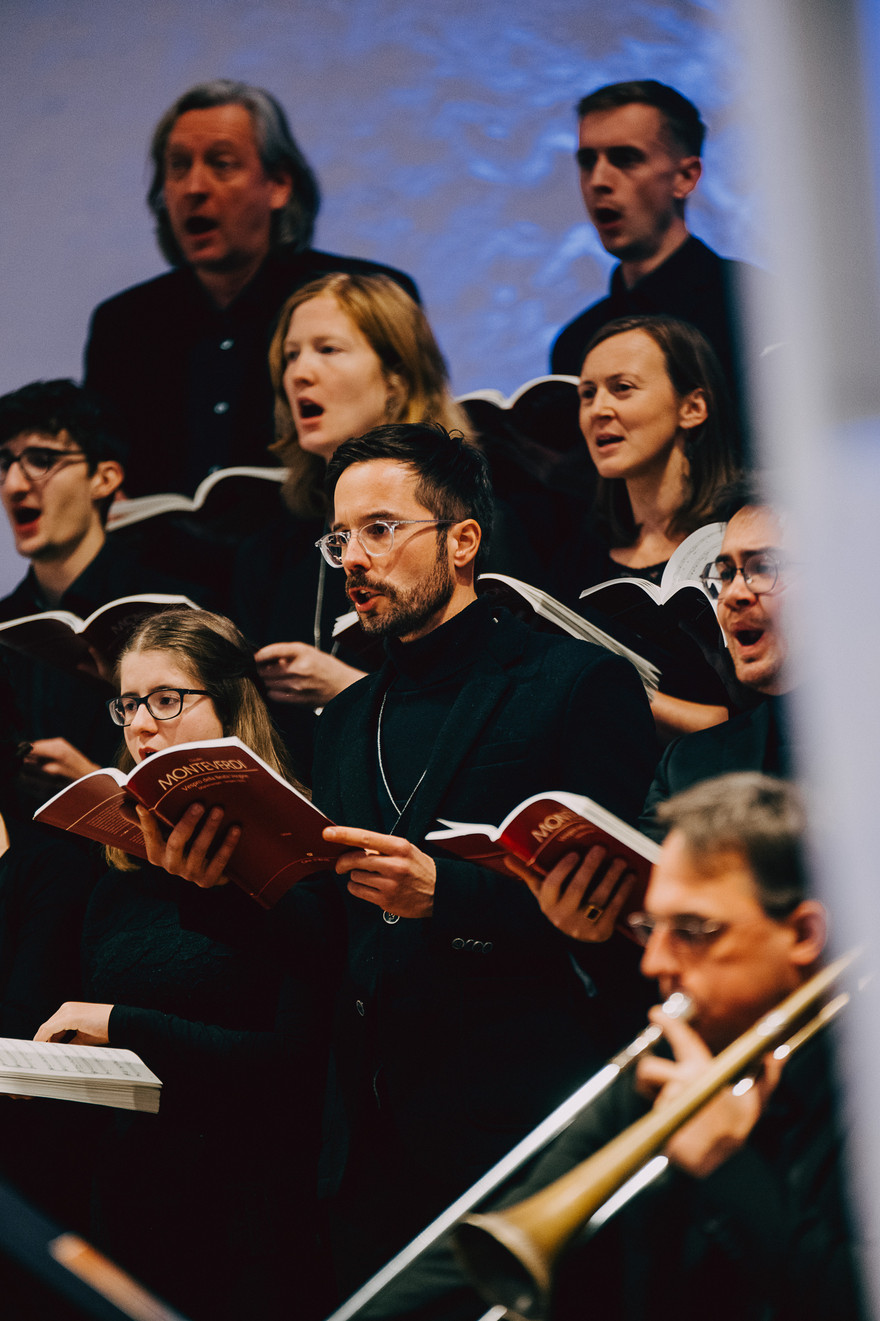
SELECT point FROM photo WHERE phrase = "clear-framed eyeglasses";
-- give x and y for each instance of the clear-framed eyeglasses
(376, 538)
(162, 704)
(687, 930)
(761, 574)
(38, 462)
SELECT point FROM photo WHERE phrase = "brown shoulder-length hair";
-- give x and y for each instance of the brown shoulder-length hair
(397, 330)
(214, 656)
(710, 448)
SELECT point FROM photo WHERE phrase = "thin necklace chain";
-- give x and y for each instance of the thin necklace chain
(399, 810)
(319, 611)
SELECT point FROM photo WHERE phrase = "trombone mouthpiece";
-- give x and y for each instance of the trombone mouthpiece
(677, 1005)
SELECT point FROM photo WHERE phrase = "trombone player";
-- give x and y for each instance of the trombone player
(750, 1220)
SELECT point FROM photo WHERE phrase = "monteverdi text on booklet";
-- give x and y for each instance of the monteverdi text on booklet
(280, 842)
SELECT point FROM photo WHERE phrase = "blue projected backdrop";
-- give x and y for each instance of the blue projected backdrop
(442, 134)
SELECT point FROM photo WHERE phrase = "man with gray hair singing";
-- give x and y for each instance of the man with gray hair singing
(183, 357)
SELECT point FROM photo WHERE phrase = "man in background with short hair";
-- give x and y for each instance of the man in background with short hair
(639, 149)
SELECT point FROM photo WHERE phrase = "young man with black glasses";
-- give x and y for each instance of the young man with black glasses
(61, 464)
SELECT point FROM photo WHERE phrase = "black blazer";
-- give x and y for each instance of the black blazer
(189, 381)
(474, 1023)
(747, 742)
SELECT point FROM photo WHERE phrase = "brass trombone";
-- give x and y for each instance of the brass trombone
(510, 1255)
(676, 1006)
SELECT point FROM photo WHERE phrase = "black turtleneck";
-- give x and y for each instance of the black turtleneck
(778, 755)
(427, 677)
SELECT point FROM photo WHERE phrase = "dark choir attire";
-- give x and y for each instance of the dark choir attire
(45, 882)
(453, 1034)
(283, 590)
(689, 668)
(766, 1237)
(756, 740)
(210, 1203)
(54, 703)
(190, 381)
(693, 284)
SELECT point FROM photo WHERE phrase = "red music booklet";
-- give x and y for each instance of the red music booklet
(280, 841)
(543, 829)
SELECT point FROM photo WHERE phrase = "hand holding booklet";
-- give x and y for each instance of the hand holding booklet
(543, 829)
(280, 842)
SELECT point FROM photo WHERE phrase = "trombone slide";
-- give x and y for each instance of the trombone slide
(510, 1255)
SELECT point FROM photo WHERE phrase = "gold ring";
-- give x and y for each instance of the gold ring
(593, 912)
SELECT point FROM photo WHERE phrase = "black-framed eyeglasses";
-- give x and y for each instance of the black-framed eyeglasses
(687, 930)
(376, 538)
(38, 462)
(162, 704)
(761, 573)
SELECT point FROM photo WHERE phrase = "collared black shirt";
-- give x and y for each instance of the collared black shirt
(190, 381)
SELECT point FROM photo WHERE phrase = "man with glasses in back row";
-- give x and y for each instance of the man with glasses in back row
(61, 463)
(749, 580)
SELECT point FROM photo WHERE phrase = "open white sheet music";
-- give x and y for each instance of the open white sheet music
(96, 1075)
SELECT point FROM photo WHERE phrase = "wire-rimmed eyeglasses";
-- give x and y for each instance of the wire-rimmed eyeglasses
(376, 538)
(688, 930)
(760, 572)
(38, 462)
(162, 704)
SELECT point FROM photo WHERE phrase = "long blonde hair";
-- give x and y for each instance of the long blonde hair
(212, 652)
(398, 332)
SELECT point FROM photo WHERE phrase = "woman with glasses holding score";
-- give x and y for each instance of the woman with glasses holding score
(202, 1201)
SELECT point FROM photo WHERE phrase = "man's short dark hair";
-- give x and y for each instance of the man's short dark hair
(49, 407)
(453, 475)
(683, 122)
(748, 492)
(761, 818)
(279, 153)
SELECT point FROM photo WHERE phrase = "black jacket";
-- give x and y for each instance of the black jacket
(190, 382)
(766, 1237)
(755, 740)
(694, 284)
(465, 1021)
